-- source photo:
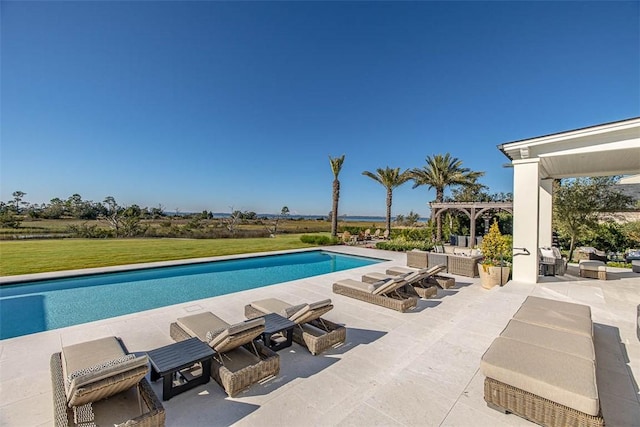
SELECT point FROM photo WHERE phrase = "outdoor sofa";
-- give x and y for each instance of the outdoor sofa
(461, 265)
(239, 361)
(392, 293)
(311, 331)
(542, 367)
(84, 375)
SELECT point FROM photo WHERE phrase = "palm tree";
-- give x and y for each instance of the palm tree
(336, 166)
(441, 172)
(390, 179)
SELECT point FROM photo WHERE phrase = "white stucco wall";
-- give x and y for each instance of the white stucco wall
(526, 208)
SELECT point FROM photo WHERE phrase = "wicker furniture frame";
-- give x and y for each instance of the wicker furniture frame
(434, 258)
(315, 344)
(508, 399)
(399, 300)
(443, 281)
(463, 265)
(234, 382)
(425, 292)
(154, 417)
(417, 259)
(593, 274)
(423, 287)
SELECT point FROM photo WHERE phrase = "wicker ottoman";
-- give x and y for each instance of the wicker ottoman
(443, 281)
(593, 269)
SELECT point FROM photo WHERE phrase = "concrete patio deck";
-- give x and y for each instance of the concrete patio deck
(416, 368)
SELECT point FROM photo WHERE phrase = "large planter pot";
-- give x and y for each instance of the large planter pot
(491, 276)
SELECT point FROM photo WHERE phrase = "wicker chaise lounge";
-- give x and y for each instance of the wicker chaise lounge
(391, 293)
(542, 367)
(418, 279)
(239, 362)
(311, 331)
(84, 375)
(445, 282)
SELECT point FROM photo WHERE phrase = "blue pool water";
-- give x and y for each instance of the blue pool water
(41, 306)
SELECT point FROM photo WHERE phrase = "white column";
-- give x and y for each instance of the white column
(546, 213)
(526, 203)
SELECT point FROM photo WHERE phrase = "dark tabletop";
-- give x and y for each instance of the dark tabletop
(180, 354)
(274, 323)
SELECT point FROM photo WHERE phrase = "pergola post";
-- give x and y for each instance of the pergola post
(526, 208)
(472, 231)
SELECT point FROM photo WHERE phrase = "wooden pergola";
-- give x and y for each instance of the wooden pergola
(472, 209)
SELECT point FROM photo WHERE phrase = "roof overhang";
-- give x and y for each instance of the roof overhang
(607, 149)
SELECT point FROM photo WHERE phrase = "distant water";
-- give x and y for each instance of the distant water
(321, 217)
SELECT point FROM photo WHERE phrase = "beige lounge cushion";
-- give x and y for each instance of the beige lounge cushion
(559, 306)
(360, 286)
(592, 265)
(388, 285)
(224, 341)
(413, 277)
(395, 271)
(311, 311)
(554, 339)
(89, 362)
(376, 276)
(270, 305)
(553, 319)
(90, 353)
(198, 325)
(320, 304)
(560, 377)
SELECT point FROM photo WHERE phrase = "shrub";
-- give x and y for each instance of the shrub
(416, 234)
(495, 247)
(318, 239)
(401, 245)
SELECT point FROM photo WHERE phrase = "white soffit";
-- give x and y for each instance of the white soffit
(609, 149)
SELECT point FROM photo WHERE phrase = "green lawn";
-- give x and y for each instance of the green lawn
(37, 256)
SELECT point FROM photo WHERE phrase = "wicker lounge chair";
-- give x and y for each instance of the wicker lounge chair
(433, 278)
(391, 293)
(240, 362)
(419, 279)
(313, 332)
(84, 375)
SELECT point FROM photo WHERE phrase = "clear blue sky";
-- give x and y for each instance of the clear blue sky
(207, 105)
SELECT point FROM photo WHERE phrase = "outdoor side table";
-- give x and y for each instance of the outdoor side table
(276, 324)
(174, 364)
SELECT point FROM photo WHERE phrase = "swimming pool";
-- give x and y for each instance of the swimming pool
(45, 305)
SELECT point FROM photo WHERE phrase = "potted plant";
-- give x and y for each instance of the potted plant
(494, 269)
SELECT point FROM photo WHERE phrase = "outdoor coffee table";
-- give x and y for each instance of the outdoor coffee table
(274, 324)
(174, 364)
